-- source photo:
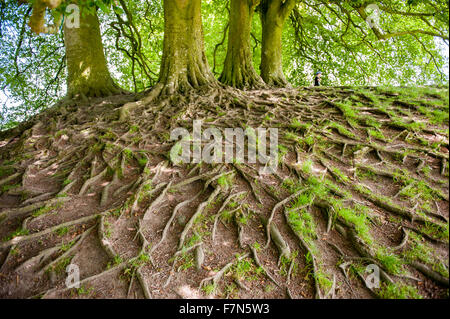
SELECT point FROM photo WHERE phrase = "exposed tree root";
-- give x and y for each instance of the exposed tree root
(350, 171)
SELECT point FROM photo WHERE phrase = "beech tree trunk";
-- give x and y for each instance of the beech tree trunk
(184, 65)
(88, 73)
(238, 70)
(273, 15)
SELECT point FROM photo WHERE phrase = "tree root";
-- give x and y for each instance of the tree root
(80, 239)
(199, 256)
(40, 259)
(156, 202)
(85, 280)
(280, 243)
(143, 283)
(23, 239)
(221, 209)
(9, 178)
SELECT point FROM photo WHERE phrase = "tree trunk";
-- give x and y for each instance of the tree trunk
(88, 74)
(238, 70)
(273, 15)
(184, 65)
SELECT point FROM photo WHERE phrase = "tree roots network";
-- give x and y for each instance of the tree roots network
(362, 180)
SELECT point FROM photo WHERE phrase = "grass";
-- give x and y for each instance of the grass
(341, 177)
(435, 231)
(291, 186)
(419, 250)
(187, 261)
(132, 264)
(226, 215)
(66, 182)
(358, 217)
(18, 232)
(297, 125)
(434, 115)
(231, 290)
(194, 239)
(376, 134)
(307, 166)
(142, 161)
(245, 269)
(269, 288)
(225, 181)
(365, 174)
(83, 291)
(398, 291)
(145, 192)
(426, 170)
(411, 126)
(134, 129)
(128, 153)
(347, 109)
(323, 279)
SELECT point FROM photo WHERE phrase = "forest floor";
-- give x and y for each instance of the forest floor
(362, 180)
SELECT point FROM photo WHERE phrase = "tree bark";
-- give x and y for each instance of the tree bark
(273, 15)
(88, 74)
(184, 65)
(238, 70)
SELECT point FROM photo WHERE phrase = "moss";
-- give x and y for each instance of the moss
(6, 171)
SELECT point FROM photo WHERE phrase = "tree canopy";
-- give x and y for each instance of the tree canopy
(405, 45)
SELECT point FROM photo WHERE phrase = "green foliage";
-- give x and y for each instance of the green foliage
(225, 181)
(303, 223)
(421, 251)
(62, 231)
(209, 289)
(32, 68)
(391, 262)
(61, 266)
(398, 291)
(245, 269)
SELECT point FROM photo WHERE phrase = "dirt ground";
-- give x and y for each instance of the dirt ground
(362, 180)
